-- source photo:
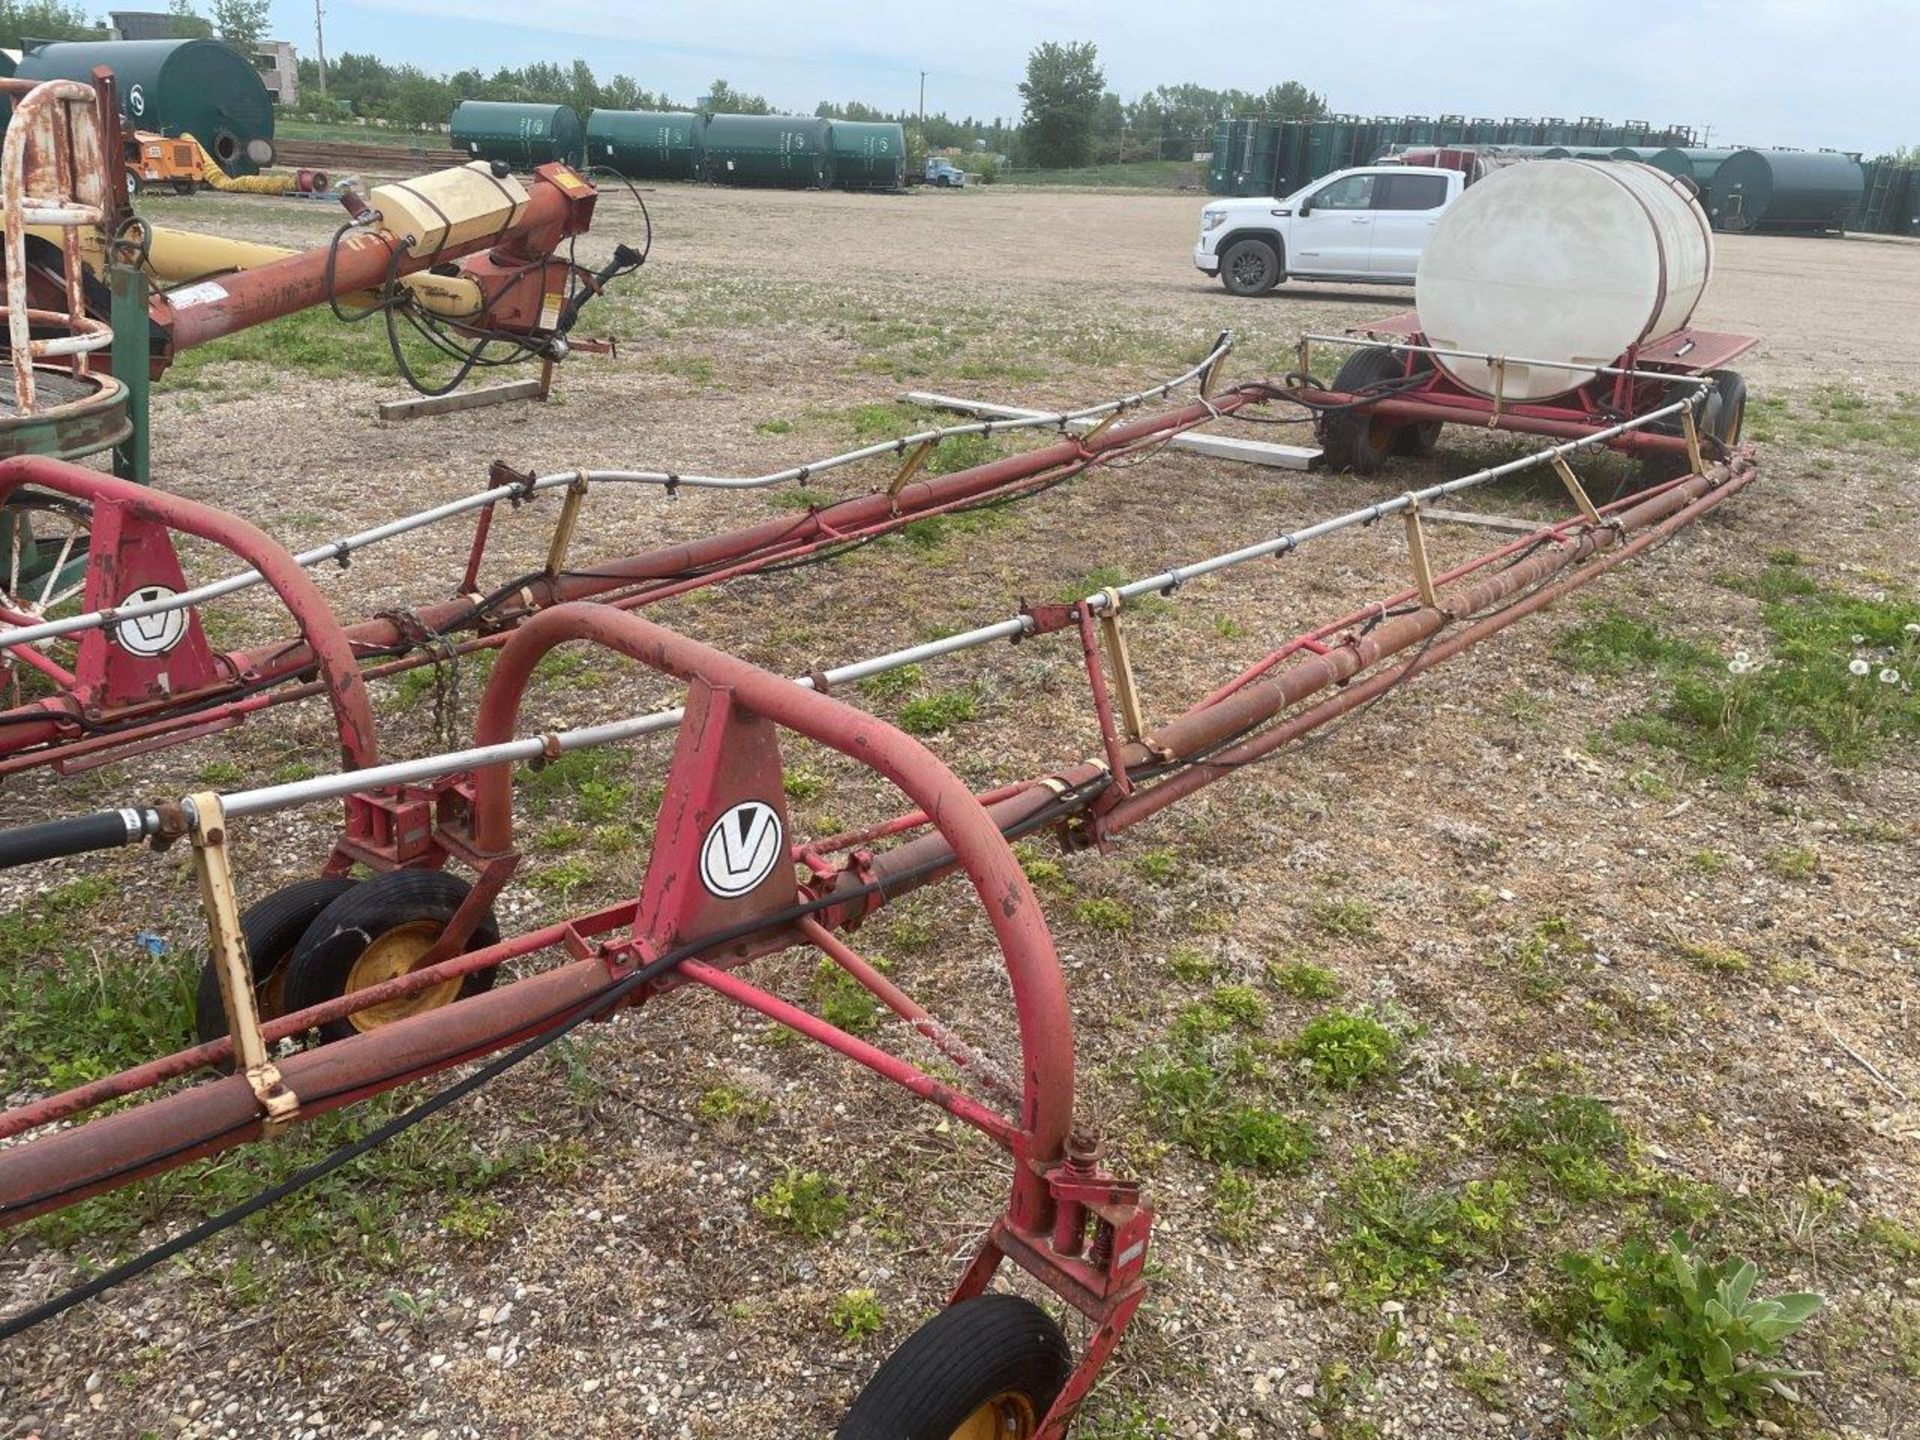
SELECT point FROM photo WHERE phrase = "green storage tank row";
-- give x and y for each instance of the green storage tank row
(521, 135)
(1890, 199)
(1255, 155)
(202, 88)
(794, 151)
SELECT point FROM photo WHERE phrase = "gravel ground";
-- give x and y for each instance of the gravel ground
(617, 1277)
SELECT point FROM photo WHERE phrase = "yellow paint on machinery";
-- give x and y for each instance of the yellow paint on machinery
(449, 207)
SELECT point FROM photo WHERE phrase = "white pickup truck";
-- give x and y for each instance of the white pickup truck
(1367, 225)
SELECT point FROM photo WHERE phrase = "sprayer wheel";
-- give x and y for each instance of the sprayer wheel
(1360, 440)
(985, 1369)
(271, 926)
(376, 932)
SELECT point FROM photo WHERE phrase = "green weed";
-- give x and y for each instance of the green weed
(1401, 1237)
(939, 712)
(1341, 1049)
(1303, 981)
(805, 1202)
(857, 1314)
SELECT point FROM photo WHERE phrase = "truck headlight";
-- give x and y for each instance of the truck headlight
(1212, 220)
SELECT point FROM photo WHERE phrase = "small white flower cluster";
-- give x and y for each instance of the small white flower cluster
(1743, 664)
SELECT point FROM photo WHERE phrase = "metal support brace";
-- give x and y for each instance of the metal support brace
(1576, 490)
(1497, 364)
(1111, 416)
(1210, 376)
(1303, 361)
(1124, 686)
(1417, 550)
(232, 964)
(1692, 431)
(564, 528)
(909, 470)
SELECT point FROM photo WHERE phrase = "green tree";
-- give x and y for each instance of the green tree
(188, 23)
(723, 99)
(44, 20)
(1062, 98)
(241, 23)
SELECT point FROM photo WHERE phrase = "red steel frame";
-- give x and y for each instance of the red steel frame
(107, 708)
(1596, 405)
(1079, 1231)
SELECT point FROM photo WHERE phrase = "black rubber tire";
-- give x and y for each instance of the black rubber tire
(1353, 440)
(1723, 415)
(341, 933)
(942, 182)
(955, 1363)
(134, 183)
(272, 927)
(1251, 267)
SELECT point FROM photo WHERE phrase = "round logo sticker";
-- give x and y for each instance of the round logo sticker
(151, 635)
(741, 849)
(136, 101)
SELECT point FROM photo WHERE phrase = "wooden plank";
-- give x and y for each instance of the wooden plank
(1220, 447)
(1512, 524)
(423, 405)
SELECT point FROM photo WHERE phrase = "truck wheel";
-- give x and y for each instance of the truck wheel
(1357, 439)
(989, 1367)
(1250, 267)
(134, 184)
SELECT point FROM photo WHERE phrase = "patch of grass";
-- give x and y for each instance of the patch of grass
(1400, 1237)
(1544, 956)
(1342, 1049)
(555, 838)
(593, 781)
(567, 876)
(1159, 866)
(1302, 980)
(1574, 1139)
(1794, 862)
(801, 783)
(1708, 862)
(841, 1000)
(775, 426)
(804, 1202)
(1820, 689)
(856, 1315)
(1043, 870)
(893, 684)
(727, 1103)
(939, 712)
(1237, 1208)
(1661, 1333)
(1099, 912)
(1190, 1102)
(1346, 919)
(1192, 965)
(1712, 959)
(221, 774)
(800, 497)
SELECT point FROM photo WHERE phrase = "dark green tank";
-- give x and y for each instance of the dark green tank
(202, 88)
(1809, 190)
(522, 135)
(869, 155)
(647, 144)
(793, 151)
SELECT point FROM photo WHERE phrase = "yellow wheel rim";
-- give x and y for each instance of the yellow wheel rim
(271, 996)
(1007, 1416)
(391, 955)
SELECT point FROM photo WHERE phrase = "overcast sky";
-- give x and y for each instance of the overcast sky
(1839, 73)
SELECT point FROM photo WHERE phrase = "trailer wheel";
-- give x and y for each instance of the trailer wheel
(985, 1369)
(272, 926)
(1359, 440)
(1250, 267)
(1729, 418)
(1723, 415)
(378, 931)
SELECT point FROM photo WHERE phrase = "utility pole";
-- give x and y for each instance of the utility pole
(320, 43)
(923, 102)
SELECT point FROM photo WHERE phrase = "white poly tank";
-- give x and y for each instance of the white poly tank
(1568, 260)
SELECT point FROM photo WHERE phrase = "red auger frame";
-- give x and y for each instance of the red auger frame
(717, 895)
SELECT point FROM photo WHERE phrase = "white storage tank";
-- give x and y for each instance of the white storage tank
(1569, 260)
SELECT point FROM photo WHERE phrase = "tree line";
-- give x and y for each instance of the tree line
(239, 22)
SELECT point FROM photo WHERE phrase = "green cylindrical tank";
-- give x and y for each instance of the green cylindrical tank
(1537, 152)
(794, 151)
(1643, 153)
(646, 144)
(201, 88)
(1220, 168)
(522, 135)
(868, 155)
(1785, 190)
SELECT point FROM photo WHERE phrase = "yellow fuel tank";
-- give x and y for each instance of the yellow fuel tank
(449, 207)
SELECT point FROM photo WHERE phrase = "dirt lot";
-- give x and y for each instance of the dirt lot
(1633, 941)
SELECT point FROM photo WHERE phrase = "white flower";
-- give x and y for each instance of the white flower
(1859, 639)
(1913, 627)
(1860, 667)
(1737, 667)
(1889, 676)
(1741, 656)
